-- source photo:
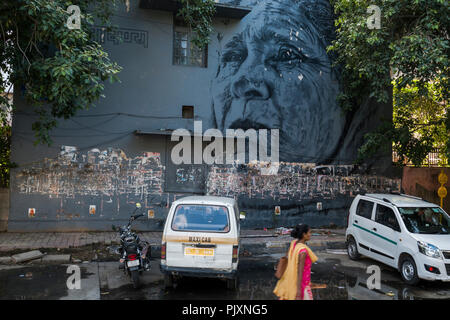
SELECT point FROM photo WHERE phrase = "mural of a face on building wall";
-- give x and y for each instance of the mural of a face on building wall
(275, 73)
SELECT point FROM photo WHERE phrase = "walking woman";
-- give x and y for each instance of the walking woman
(295, 284)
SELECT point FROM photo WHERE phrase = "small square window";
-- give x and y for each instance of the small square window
(188, 112)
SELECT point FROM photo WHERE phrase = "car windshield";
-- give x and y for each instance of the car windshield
(426, 220)
(208, 218)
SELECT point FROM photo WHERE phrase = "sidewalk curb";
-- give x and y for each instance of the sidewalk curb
(272, 247)
(252, 242)
(283, 246)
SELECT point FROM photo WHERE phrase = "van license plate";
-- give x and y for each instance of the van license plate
(199, 252)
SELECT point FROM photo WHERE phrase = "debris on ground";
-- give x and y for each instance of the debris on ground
(390, 294)
(27, 256)
(283, 231)
(318, 286)
(337, 251)
(246, 253)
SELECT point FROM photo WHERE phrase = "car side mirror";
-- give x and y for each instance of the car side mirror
(242, 215)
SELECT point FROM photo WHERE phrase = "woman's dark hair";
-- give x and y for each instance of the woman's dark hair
(299, 231)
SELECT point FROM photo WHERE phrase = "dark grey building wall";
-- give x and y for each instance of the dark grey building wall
(4, 209)
(97, 160)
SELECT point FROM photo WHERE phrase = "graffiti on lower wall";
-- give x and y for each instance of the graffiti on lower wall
(97, 173)
(110, 173)
(295, 181)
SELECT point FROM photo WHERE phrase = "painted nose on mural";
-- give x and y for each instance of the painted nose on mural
(250, 88)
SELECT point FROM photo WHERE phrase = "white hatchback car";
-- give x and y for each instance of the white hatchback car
(402, 231)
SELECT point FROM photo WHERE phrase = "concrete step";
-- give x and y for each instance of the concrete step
(57, 258)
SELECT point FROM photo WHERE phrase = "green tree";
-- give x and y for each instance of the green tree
(408, 55)
(62, 70)
(5, 164)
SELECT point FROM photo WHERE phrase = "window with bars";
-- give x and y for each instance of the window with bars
(184, 51)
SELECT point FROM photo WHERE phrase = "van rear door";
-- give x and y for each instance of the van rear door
(201, 236)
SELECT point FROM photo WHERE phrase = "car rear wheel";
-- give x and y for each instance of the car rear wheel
(408, 271)
(352, 249)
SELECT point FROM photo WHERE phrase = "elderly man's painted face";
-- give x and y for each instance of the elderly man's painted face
(275, 74)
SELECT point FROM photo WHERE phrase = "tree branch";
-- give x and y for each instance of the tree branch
(20, 48)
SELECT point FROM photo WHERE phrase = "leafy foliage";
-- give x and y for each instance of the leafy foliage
(198, 15)
(61, 70)
(408, 53)
(418, 127)
(5, 150)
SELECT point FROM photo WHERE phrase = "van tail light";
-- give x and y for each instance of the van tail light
(235, 253)
(132, 257)
(163, 251)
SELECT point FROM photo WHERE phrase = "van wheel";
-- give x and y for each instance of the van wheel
(408, 271)
(168, 281)
(233, 284)
(352, 249)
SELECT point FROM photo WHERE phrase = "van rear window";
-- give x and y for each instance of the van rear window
(206, 218)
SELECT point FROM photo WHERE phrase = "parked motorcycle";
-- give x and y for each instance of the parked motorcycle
(134, 253)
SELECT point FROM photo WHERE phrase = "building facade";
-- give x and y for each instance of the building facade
(265, 68)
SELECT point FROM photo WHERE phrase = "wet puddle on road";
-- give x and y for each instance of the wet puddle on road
(35, 282)
(350, 283)
(257, 281)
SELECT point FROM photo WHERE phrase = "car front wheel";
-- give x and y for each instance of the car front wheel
(408, 271)
(352, 249)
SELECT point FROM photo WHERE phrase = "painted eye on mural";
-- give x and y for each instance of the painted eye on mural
(234, 57)
(287, 53)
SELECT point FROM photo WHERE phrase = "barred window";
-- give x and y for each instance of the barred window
(184, 51)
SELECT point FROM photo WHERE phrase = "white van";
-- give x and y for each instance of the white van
(402, 231)
(201, 239)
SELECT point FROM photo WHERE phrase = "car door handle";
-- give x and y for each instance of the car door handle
(356, 221)
(374, 229)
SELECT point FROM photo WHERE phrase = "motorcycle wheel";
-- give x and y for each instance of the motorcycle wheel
(135, 278)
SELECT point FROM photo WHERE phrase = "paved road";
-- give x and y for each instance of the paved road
(344, 279)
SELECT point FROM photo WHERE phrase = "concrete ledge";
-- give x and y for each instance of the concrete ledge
(59, 258)
(5, 260)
